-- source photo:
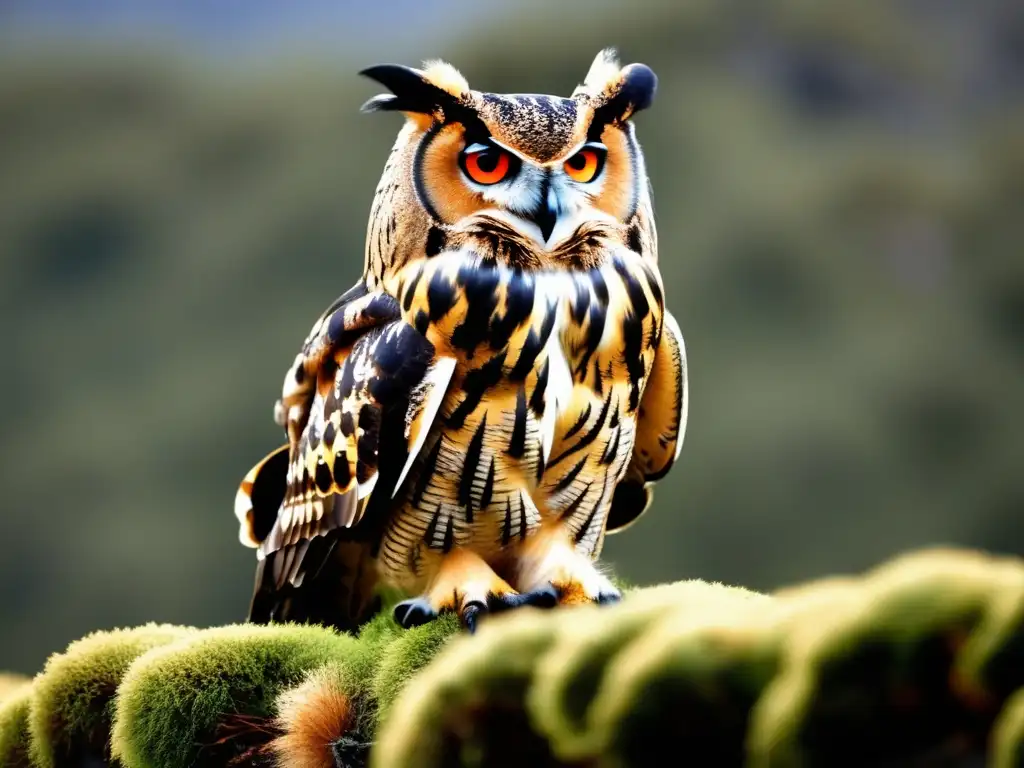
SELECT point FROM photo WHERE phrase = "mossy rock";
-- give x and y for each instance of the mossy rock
(12, 683)
(1007, 741)
(920, 658)
(466, 706)
(332, 716)
(72, 706)
(574, 670)
(899, 667)
(14, 740)
(205, 700)
(912, 660)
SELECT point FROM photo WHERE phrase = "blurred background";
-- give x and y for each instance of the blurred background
(184, 187)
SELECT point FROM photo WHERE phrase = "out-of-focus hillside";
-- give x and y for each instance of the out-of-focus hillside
(839, 192)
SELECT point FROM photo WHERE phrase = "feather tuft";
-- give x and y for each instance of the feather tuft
(445, 76)
(604, 70)
(313, 717)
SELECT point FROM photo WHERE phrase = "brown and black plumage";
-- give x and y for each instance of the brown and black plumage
(504, 385)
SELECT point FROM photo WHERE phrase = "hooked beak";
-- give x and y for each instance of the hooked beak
(545, 216)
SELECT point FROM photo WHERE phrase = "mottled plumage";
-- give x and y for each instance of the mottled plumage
(503, 386)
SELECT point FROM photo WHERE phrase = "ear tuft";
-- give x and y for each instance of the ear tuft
(639, 84)
(446, 77)
(412, 92)
(617, 93)
(604, 70)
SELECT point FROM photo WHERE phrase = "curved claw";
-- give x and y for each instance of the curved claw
(470, 613)
(473, 611)
(543, 597)
(414, 612)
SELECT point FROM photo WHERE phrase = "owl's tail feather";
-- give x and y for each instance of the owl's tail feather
(339, 588)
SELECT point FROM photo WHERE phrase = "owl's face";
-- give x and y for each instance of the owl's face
(533, 180)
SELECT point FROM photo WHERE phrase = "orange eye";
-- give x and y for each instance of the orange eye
(489, 166)
(584, 165)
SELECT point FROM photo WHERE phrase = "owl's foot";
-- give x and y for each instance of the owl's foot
(464, 585)
(543, 597)
(549, 563)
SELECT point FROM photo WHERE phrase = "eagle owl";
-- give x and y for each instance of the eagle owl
(504, 384)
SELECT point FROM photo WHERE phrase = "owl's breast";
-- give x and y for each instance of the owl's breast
(539, 420)
(610, 337)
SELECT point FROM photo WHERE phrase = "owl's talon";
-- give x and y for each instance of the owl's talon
(470, 614)
(413, 613)
(542, 597)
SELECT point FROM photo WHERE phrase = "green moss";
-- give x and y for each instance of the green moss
(466, 707)
(14, 751)
(917, 656)
(12, 683)
(191, 703)
(336, 709)
(573, 670)
(353, 672)
(880, 660)
(688, 679)
(411, 652)
(1007, 745)
(72, 708)
(991, 659)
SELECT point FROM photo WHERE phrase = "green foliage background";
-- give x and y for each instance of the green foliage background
(839, 191)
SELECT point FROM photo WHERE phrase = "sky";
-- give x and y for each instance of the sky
(247, 26)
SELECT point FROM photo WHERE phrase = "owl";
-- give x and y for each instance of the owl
(503, 386)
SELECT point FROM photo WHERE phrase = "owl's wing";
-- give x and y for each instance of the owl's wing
(660, 429)
(357, 406)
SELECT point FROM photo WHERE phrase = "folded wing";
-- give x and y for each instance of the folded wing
(356, 406)
(661, 427)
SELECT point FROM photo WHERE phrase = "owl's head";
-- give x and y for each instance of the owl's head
(534, 180)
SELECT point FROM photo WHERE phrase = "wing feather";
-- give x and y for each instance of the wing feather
(358, 404)
(259, 497)
(389, 377)
(425, 402)
(661, 427)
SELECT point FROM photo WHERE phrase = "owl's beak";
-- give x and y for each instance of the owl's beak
(545, 216)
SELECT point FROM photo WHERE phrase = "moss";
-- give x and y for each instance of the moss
(870, 676)
(201, 701)
(611, 682)
(843, 670)
(12, 683)
(72, 707)
(411, 652)
(14, 751)
(466, 708)
(1007, 745)
(354, 672)
(334, 713)
(684, 682)
(570, 674)
(914, 660)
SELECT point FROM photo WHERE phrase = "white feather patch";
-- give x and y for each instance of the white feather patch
(436, 381)
(604, 68)
(445, 76)
(560, 384)
(671, 326)
(243, 506)
(365, 489)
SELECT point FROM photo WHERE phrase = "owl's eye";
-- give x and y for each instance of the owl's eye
(586, 164)
(486, 164)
